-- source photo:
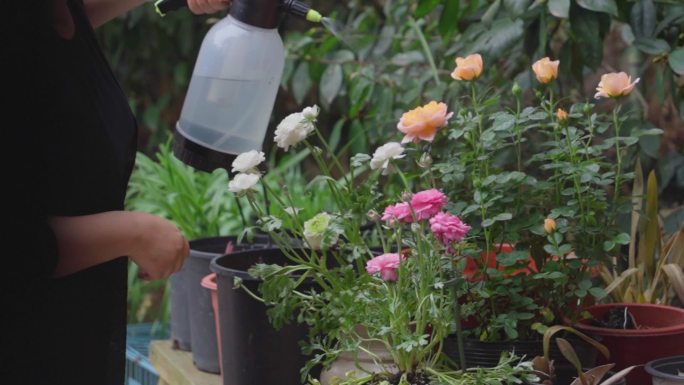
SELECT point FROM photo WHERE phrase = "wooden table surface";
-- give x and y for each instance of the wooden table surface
(175, 367)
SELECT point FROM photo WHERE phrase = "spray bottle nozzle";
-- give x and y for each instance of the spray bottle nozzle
(299, 8)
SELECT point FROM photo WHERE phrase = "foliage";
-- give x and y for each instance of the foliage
(654, 273)
(505, 171)
(196, 202)
(331, 284)
(387, 57)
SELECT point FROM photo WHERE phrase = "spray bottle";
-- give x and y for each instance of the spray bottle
(234, 83)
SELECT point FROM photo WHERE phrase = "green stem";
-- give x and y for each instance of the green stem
(618, 154)
(426, 49)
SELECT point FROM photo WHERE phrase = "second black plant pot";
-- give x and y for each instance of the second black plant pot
(253, 352)
(199, 310)
(487, 354)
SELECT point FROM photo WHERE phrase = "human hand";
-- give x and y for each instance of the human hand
(160, 248)
(207, 6)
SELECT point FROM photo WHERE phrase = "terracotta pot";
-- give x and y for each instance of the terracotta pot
(661, 335)
(209, 283)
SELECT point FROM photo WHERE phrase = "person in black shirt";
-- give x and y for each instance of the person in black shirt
(68, 153)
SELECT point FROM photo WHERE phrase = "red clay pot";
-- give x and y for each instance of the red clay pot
(661, 335)
(209, 282)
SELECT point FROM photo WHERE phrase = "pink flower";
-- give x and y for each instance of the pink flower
(448, 228)
(400, 212)
(386, 265)
(427, 203)
(423, 122)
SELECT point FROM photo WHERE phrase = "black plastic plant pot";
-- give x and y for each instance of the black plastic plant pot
(253, 351)
(180, 317)
(667, 371)
(198, 308)
(486, 354)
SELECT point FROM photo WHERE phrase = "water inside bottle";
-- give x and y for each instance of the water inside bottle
(228, 115)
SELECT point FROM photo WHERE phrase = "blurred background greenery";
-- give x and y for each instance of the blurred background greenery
(388, 56)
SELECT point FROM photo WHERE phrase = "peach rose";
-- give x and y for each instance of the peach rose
(423, 122)
(549, 225)
(545, 70)
(468, 68)
(614, 85)
(562, 115)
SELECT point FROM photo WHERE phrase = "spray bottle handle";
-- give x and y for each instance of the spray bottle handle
(165, 6)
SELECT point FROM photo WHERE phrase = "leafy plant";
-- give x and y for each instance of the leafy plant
(654, 271)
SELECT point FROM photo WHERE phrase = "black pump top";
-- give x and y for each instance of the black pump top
(259, 13)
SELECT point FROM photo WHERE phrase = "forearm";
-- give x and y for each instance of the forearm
(102, 11)
(90, 240)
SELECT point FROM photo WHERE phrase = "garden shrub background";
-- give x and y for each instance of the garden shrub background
(400, 53)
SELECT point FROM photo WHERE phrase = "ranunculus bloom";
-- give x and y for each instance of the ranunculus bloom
(426, 204)
(468, 68)
(549, 225)
(248, 161)
(562, 115)
(384, 154)
(614, 85)
(243, 182)
(448, 228)
(314, 231)
(545, 70)
(401, 212)
(423, 122)
(386, 265)
(296, 127)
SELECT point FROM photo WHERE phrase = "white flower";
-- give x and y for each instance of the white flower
(384, 154)
(315, 229)
(243, 182)
(248, 161)
(311, 113)
(296, 127)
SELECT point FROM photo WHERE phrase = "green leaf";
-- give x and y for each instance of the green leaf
(605, 6)
(488, 222)
(585, 26)
(503, 217)
(448, 22)
(405, 58)
(676, 61)
(568, 352)
(643, 18)
(494, 41)
(301, 82)
(331, 83)
(425, 7)
(491, 12)
(622, 239)
(652, 46)
(559, 8)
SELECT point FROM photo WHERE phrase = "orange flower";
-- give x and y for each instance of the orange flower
(549, 225)
(423, 122)
(614, 85)
(562, 115)
(468, 68)
(545, 70)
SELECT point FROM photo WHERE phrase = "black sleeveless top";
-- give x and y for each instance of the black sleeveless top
(75, 139)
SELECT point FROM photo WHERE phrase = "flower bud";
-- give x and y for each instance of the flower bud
(425, 160)
(549, 225)
(415, 227)
(406, 196)
(586, 108)
(562, 115)
(516, 90)
(373, 216)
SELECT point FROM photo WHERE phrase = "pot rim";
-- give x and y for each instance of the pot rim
(209, 282)
(656, 331)
(653, 371)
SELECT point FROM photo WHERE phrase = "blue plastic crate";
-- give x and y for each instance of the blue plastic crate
(139, 370)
